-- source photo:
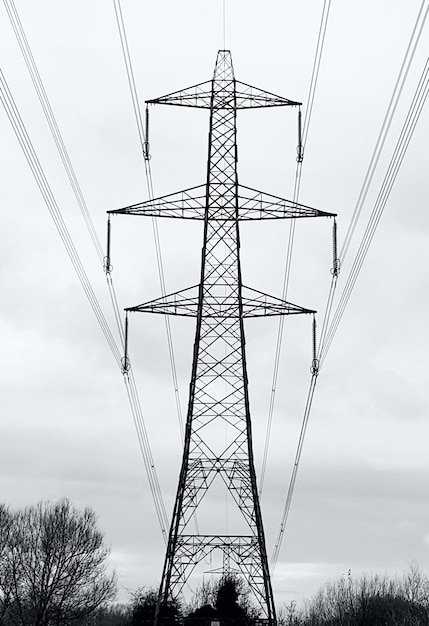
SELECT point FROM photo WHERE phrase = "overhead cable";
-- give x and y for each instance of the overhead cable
(328, 331)
(401, 147)
(285, 514)
(302, 139)
(385, 127)
(315, 370)
(50, 117)
(39, 175)
(144, 141)
(40, 178)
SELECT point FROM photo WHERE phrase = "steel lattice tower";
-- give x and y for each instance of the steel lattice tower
(218, 436)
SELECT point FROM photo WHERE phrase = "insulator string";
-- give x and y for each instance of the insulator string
(146, 144)
(300, 152)
(107, 266)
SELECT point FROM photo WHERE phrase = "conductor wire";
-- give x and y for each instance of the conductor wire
(52, 122)
(291, 236)
(385, 127)
(328, 332)
(224, 22)
(143, 142)
(38, 173)
(401, 147)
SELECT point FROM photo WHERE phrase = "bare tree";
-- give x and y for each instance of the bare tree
(6, 578)
(289, 615)
(416, 586)
(56, 570)
(371, 599)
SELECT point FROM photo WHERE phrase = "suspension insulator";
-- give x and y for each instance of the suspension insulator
(314, 369)
(300, 149)
(146, 145)
(125, 363)
(335, 270)
(107, 265)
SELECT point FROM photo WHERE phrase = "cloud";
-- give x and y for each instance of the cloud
(66, 427)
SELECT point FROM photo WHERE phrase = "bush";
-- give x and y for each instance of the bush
(226, 601)
(144, 603)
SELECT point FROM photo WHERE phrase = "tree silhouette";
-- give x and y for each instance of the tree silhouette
(144, 608)
(53, 565)
(370, 600)
(226, 602)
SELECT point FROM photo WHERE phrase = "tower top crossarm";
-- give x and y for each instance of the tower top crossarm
(246, 96)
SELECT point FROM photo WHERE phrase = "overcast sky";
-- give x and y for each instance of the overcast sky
(66, 429)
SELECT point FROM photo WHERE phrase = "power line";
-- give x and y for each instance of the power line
(316, 69)
(224, 23)
(39, 175)
(129, 70)
(385, 127)
(144, 142)
(50, 117)
(401, 147)
(302, 138)
(285, 514)
(328, 332)
(40, 178)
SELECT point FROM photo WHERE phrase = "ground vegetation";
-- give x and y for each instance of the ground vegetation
(368, 600)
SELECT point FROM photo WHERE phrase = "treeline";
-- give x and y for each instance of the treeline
(54, 572)
(369, 600)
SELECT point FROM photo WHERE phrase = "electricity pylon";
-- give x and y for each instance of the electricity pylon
(218, 437)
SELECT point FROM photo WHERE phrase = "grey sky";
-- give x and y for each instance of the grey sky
(361, 499)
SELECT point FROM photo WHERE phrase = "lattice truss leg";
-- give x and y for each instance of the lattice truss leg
(218, 437)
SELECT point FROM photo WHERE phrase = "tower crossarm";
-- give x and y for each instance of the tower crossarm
(259, 205)
(252, 205)
(185, 303)
(249, 97)
(187, 204)
(201, 96)
(198, 96)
